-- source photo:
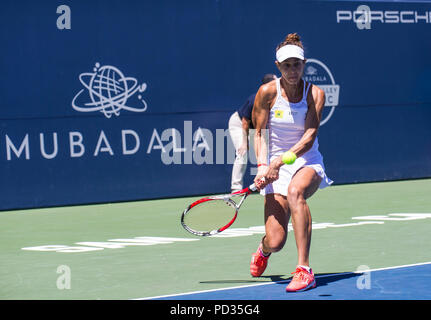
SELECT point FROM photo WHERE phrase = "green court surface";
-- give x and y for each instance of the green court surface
(139, 249)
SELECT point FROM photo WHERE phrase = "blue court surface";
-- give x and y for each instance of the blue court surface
(412, 282)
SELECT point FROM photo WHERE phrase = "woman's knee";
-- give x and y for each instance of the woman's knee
(275, 242)
(295, 194)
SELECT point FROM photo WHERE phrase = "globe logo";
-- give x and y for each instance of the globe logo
(109, 91)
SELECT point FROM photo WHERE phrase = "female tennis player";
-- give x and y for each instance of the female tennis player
(286, 116)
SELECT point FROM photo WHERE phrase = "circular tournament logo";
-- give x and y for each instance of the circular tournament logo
(319, 74)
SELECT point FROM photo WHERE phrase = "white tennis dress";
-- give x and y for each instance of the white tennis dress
(286, 127)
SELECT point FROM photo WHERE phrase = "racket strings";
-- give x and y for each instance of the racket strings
(210, 215)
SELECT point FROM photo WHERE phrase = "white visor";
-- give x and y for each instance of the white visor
(289, 51)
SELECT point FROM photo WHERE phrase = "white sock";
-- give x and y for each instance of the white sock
(262, 253)
(306, 268)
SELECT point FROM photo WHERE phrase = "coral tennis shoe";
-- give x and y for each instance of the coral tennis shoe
(302, 280)
(258, 263)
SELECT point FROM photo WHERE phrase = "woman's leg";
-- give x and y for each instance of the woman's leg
(276, 220)
(303, 185)
(277, 216)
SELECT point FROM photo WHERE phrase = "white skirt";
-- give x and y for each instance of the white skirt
(288, 171)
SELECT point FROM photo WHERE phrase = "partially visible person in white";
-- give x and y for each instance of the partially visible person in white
(239, 130)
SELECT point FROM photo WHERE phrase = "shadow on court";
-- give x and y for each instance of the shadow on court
(322, 279)
(271, 287)
(262, 279)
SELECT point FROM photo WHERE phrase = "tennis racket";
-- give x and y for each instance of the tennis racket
(211, 215)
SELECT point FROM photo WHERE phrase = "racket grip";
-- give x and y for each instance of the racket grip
(253, 186)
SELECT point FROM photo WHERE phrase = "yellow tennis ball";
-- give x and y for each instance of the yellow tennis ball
(288, 157)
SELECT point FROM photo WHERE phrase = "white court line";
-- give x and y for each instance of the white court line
(281, 281)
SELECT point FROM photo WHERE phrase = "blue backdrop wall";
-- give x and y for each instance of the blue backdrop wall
(112, 100)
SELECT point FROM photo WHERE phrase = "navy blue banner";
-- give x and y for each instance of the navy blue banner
(114, 100)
